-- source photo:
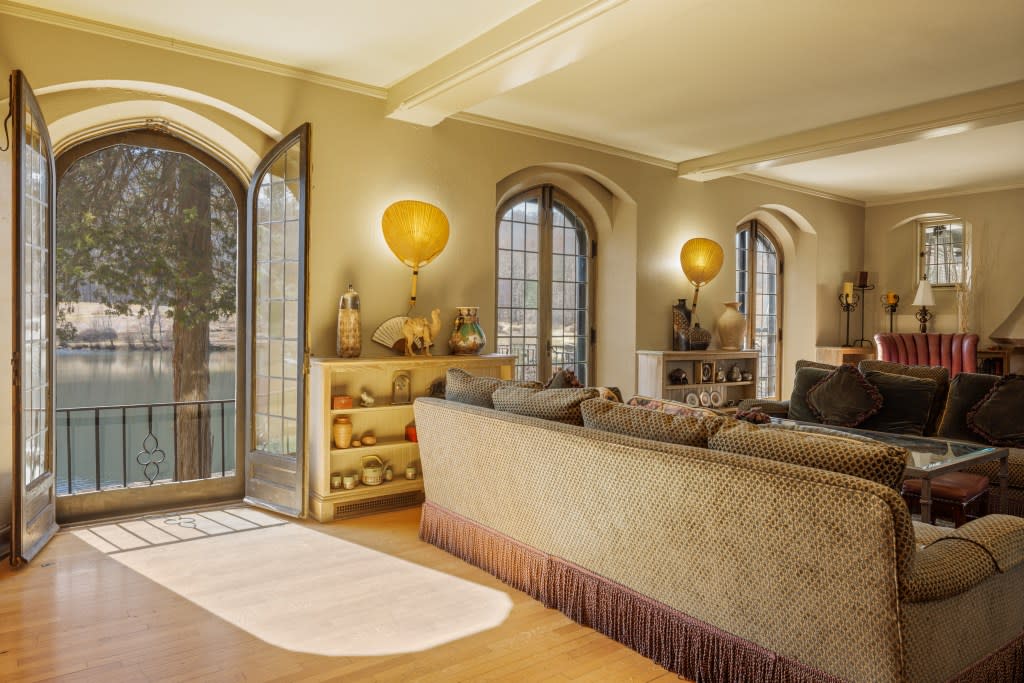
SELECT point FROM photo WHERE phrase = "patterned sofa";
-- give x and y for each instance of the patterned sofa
(722, 566)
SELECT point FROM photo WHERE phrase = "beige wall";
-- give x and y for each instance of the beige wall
(997, 244)
(363, 161)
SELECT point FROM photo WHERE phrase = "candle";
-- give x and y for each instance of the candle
(848, 290)
(890, 298)
(862, 278)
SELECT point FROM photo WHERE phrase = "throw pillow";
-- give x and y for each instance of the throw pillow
(815, 364)
(936, 373)
(997, 417)
(965, 391)
(860, 457)
(565, 379)
(844, 398)
(475, 390)
(688, 430)
(805, 378)
(666, 406)
(560, 405)
(907, 403)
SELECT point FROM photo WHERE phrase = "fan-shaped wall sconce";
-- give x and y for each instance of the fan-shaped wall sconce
(416, 232)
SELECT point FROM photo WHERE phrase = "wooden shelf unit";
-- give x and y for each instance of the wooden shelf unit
(654, 367)
(385, 420)
(837, 355)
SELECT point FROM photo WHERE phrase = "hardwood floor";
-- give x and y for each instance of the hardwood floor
(75, 614)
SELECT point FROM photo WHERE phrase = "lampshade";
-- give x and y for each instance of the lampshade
(416, 232)
(924, 296)
(1011, 331)
(701, 260)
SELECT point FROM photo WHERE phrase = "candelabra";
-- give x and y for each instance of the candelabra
(860, 342)
(848, 302)
(890, 306)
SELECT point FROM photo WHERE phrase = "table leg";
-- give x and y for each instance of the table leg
(1004, 478)
(926, 501)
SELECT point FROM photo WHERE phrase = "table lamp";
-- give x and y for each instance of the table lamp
(924, 298)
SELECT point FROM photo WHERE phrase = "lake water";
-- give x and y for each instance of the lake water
(124, 377)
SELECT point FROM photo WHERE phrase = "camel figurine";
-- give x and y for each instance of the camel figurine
(423, 330)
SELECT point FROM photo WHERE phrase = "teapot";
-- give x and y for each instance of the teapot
(373, 470)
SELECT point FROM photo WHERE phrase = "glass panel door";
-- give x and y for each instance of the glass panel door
(570, 329)
(277, 347)
(34, 519)
(519, 286)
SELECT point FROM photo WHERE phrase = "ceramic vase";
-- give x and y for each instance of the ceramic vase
(350, 331)
(731, 327)
(680, 326)
(698, 338)
(342, 432)
(467, 337)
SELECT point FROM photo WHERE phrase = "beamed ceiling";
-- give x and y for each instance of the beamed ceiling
(872, 100)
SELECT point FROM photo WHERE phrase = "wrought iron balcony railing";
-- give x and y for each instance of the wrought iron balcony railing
(105, 447)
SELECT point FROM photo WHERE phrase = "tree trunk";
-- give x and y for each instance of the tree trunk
(193, 437)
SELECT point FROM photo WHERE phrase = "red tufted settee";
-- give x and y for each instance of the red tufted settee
(956, 352)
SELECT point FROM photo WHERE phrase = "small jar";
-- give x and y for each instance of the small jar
(336, 480)
(342, 432)
(349, 481)
(389, 473)
(410, 472)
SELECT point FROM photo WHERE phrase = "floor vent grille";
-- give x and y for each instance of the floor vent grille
(365, 507)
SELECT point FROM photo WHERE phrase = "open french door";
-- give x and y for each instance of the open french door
(34, 519)
(277, 346)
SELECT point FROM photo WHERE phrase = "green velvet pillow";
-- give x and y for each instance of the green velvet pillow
(907, 403)
(805, 378)
(936, 373)
(965, 391)
(844, 398)
(997, 418)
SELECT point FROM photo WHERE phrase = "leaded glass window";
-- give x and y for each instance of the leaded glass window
(942, 252)
(759, 291)
(544, 281)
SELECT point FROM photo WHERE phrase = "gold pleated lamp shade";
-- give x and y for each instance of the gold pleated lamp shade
(416, 232)
(701, 260)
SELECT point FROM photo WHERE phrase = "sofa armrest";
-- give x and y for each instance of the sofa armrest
(956, 561)
(766, 406)
(1002, 537)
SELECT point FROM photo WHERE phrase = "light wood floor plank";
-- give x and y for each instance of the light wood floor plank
(75, 614)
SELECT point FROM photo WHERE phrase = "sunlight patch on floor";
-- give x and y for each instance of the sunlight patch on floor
(305, 591)
(174, 527)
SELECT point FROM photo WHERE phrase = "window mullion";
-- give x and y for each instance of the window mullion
(544, 287)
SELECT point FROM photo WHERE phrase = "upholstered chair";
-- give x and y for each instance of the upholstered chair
(955, 352)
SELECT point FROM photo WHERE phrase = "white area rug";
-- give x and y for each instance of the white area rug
(305, 591)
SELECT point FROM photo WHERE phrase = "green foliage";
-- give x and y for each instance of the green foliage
(146, 228)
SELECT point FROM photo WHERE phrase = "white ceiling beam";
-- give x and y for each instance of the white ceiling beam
(543, 38)
(957, 114)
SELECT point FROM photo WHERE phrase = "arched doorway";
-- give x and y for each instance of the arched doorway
(147, 290)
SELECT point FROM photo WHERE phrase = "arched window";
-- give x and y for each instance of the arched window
(544, 285)
(759, 291)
